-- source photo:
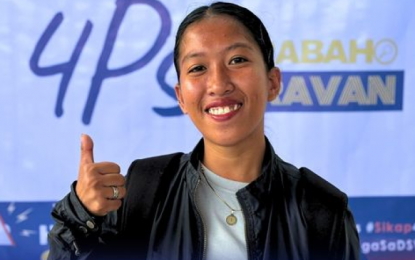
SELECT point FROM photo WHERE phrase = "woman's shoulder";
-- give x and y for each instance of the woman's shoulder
(313, 189)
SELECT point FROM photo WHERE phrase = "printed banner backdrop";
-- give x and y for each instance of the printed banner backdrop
(105, 68)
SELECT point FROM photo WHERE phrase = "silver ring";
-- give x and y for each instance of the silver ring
(116, 192)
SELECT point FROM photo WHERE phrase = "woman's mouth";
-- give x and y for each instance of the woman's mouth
(223, 110)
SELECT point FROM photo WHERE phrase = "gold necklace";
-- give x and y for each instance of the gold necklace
(231, 219)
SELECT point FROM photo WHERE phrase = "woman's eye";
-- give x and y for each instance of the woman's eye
(196, 69)
(237, 60)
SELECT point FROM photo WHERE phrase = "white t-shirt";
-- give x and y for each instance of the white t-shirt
(224, 241)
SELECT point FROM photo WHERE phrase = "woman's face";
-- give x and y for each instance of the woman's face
(224, 84)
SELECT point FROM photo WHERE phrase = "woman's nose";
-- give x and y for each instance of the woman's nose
(220, 81)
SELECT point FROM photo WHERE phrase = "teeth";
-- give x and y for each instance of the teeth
(223, 110)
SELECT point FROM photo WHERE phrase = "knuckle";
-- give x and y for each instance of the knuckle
(113, 167)
(120, 180)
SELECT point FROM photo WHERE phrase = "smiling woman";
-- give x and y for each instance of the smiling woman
(224, 86)
(232, 189)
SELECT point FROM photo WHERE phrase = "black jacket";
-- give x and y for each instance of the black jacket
(290, 213)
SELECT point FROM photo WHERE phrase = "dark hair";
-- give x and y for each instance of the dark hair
(239, 13)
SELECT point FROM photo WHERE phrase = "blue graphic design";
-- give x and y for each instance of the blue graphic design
(385, 235)
(102, 71)
(23, 230)
(65, 68)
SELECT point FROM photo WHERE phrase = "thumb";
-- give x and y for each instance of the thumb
(87, 149)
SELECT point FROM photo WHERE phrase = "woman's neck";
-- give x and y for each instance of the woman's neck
(241, 162)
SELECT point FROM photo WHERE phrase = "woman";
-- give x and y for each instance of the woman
(232, 197)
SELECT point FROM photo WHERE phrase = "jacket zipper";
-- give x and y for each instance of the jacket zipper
(203, 223)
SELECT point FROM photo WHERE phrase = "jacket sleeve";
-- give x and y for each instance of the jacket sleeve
(76, 233)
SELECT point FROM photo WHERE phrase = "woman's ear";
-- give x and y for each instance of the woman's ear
(274, 76)
(179, 97)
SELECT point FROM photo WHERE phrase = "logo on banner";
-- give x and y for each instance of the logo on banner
(383, 52)
(102, 71)
(339, 90)
(20, 230)
(6, 232)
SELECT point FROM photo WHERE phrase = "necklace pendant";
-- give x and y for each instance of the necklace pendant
(231, 219)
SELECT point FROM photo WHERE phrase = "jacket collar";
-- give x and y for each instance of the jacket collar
(264, 180)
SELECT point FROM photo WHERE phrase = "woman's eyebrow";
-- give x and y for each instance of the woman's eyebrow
(192, 55)
(238, 45)
(233, 46)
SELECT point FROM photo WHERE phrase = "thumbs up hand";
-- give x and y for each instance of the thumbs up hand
(100, 186)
